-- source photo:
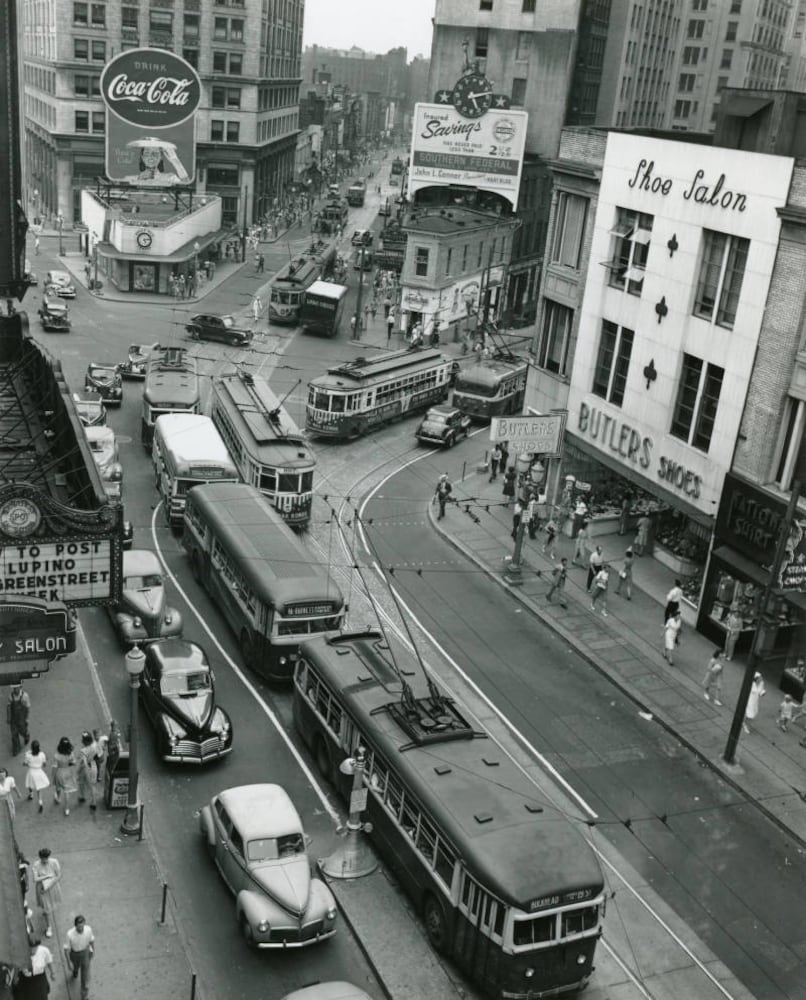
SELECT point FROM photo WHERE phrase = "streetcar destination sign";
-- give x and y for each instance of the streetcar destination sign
(32, 629)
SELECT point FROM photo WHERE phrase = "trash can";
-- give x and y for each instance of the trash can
(116, 781)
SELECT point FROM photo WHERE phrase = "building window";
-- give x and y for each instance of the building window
(81, 13)
(691, 55)
(98, 12)
(791, 462)
(682, 109)
(485, 4)
(128, 17)
(421, 261)
(233, 131)
(518, 91)
(82, 121)
(699, 5)
(524, 44)
(216, 130)
(554, 338)
(448, 260)
(235, 63)
(161, 21)
(727, 58)
(482, 43)
(233, 98)
(220, 29)
(81, 49)
(528, 6)
(236, 30)
(632, 233)
(613, 362)
(191, 26)
(730, 34)
(81, 85)
(697, 402)
(721, 275)
(464, 258)
(569, 225)
(99, 122)
(736, 6)
(696, 28)
(191, 56)
(686, 82)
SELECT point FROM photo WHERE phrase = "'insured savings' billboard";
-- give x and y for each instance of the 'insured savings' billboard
(151, 97)
(484, 152)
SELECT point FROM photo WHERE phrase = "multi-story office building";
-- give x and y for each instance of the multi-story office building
(247, 54)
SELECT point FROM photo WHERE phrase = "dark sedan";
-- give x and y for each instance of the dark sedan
(442, 426)
(178, 693)
(211, 326)
(106, 381)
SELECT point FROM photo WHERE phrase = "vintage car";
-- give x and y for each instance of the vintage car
(329, 991)
(90, 408)
(29, 276)
(135, 365)
(60, 283)
(177, 691)
(443, 426)
(104, 449)
(254, 834)
(54, 315)
(105, 379)
(362, 237)
(211, 326)
(143, 614)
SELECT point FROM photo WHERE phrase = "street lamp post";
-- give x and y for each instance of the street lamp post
(360, 299)
(135, 663)
(95, 260)
(61, 231)
(196, 249)
(353, 859)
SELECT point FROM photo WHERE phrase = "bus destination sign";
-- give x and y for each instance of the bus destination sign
(308, 610)
(575, 896)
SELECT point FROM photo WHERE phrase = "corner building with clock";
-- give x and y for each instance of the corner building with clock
(462, 186)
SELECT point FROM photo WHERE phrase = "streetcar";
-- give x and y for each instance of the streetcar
(289, 285)
(171, 386)
(323, 308)
(396, 172)
(266, 445)
(366, 393)
(508, 886)
(265, 582)
(490, 388)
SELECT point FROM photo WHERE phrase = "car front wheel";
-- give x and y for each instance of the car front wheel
(194, 333)
(450, 441)
(246, 930)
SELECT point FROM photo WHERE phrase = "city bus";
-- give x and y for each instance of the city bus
(171, 386)
(366, 393)
(186, 451)
(266, 445)
(396, 172)
(323, 308)
(508, 887)
(356, 192)
(266, 583)
(491, 388)
(289, 285)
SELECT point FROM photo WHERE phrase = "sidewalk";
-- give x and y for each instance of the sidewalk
(627, 646)
(113, 880)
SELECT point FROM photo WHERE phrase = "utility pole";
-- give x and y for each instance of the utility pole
(243, 233)
(729, 755)
(359, 300)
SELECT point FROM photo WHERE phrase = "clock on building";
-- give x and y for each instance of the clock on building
(472, 95)
(144, 239)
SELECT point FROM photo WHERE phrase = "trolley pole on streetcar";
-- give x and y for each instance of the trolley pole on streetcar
(353, 858)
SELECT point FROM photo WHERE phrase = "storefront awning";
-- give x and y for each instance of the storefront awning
(14, 950)
(658, 489)
(185, 253)
(745, 567)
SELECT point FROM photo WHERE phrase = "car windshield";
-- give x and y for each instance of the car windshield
(264, 849)
(142, 582)
(227, 321)
(185, 683)
(88, 409)
(103, 373)
(437, 418)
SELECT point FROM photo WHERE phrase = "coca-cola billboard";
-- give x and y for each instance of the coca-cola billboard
(151, 97)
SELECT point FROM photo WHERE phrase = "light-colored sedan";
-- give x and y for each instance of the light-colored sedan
(329, 991)
(143, 614)
(255, 836)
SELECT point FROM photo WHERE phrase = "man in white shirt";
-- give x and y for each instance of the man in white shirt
(80, 947)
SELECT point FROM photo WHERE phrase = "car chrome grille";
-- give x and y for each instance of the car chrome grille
(293, 935)
(211, 747)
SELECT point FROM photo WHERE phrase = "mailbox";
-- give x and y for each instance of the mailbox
(116, 780)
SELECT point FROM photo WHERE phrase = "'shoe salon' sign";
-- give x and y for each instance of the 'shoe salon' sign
(151, 97)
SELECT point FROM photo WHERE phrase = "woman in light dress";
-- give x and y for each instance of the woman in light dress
(8, 786)
(64, 774)
(47, 874)
(36, 779)
(757, 692)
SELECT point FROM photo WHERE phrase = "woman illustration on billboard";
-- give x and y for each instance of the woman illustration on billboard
(159, 163)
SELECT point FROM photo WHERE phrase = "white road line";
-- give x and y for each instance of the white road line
(334, 815)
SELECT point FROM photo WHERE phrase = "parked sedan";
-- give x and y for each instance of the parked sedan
(90, 408)
(255, 836)
(177, 690)
(329, 991)
(60, 283)
(143, 614)
(105, 379)
(211, 326)
(443, 426)
(361, 237)
(104, 448)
